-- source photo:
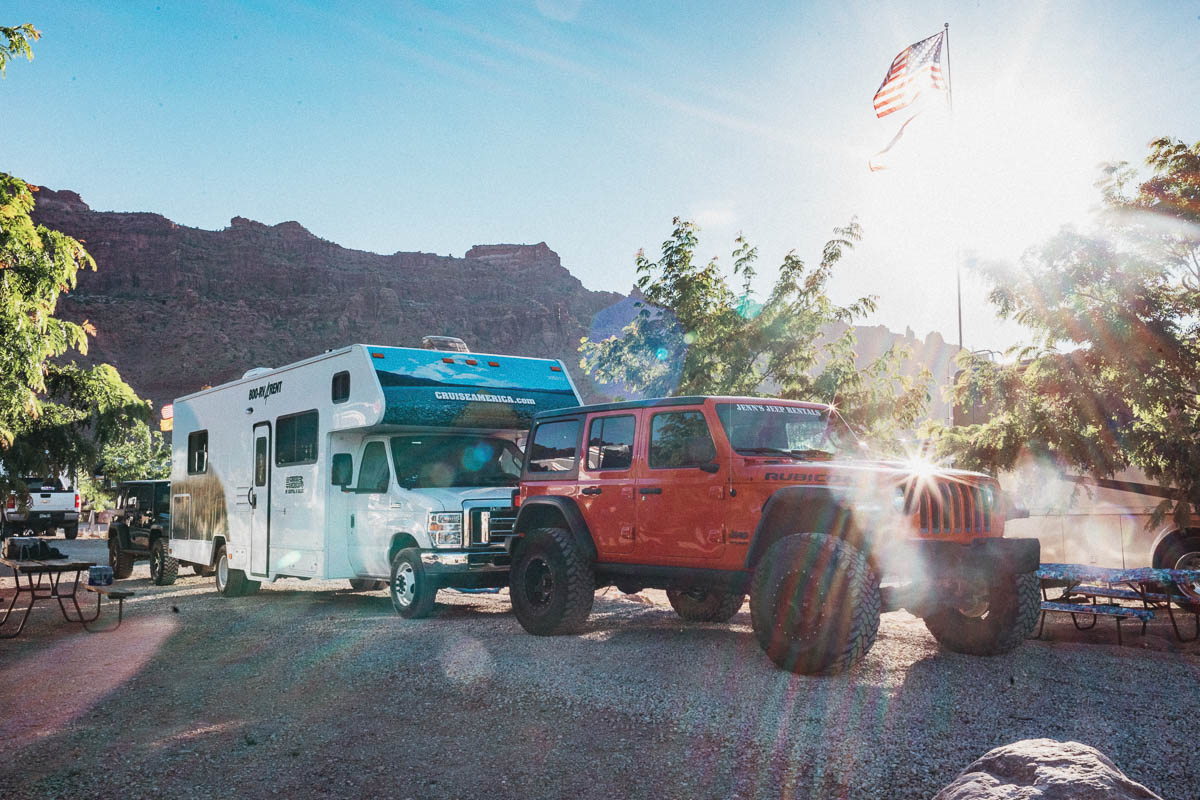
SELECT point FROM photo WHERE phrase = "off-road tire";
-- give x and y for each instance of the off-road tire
(120, 561)
(235, 583)
(366, 584)
(412, 590)
(705, 605)
(71, 531)
(1179, 548)
(163, 568)
(552, 584)
(814, 604)
(1014, 605)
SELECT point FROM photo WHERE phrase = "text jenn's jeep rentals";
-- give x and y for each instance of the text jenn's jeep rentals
(712, 498)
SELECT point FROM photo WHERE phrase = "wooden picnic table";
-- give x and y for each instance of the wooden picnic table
(43, 580)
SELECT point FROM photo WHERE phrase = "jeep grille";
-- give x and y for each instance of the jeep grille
(951, 508)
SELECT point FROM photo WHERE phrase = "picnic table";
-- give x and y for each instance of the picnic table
(43, 580)
(1151, 589)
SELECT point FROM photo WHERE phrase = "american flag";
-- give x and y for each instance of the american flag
(918, 67)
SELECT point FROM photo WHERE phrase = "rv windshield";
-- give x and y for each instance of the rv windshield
(429, 461)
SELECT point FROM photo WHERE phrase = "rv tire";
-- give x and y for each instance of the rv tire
(411, 588)
(232, 582)
(163, 568)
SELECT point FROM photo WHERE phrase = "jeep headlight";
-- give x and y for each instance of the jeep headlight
(445, 528)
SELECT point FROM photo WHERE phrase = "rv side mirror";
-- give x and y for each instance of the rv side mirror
(341, 472)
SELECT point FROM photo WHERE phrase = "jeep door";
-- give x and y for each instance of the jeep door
(606, 482)
(141, 517)
(680, 489)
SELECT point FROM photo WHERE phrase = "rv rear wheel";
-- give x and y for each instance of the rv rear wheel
(366, 584)
(411, 589)
(163, 568)
(232, 582)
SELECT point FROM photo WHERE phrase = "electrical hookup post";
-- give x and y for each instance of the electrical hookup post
(918, 88)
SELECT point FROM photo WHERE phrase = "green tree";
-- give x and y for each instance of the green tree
(16, 42)
(694, 334)
(1112, 377)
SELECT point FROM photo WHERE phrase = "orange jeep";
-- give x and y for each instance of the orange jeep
(711, 498)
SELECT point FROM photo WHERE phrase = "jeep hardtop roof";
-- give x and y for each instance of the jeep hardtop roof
(656, 402)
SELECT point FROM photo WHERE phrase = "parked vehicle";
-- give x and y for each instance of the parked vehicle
(139, 531)
(47, 505)
(384, 465)
(713, 498)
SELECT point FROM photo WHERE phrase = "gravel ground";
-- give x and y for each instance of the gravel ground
(310, 690)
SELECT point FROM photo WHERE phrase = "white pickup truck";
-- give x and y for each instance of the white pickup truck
(47, 505)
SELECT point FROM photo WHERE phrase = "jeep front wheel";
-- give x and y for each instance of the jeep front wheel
(1007, 614)
(412, 591)
(705, 605)
(121, 562)
(552, 584)
(814, 604)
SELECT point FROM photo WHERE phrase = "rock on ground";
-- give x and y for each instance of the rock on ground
(1044, 769)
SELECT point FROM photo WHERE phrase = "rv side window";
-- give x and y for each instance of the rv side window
(553, 447)
(197, 462)
(373, 473)
(340, 390)
(296, 439)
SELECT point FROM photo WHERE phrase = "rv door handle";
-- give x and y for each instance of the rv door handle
(591, 490)
(651, 490)
(252, 499)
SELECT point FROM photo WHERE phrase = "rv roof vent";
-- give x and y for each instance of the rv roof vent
(449, 343)
(254, 373)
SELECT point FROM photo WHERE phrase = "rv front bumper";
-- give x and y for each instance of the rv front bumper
(458, 562)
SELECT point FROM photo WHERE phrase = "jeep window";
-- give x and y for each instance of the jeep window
(777, 429)
(610, 442)
(373, 473)
(197, 462)
(680, 439)
(429, 461)
(340, 388)
(554, 447)
(162, 498)
(296, 439)
(145, 496)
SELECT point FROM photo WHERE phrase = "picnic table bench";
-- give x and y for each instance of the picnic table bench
(49, 585)
(1082, 585)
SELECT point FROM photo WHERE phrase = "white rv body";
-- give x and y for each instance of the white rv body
(254, 464)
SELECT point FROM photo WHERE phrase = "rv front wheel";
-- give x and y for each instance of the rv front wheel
(232, 582)
(411, 589)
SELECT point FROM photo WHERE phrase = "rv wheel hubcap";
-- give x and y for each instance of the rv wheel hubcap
(405, 585)
(222, 572)
(1190, 561)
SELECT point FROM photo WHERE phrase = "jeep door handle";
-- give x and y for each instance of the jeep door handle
(651, 490)
(591, 490)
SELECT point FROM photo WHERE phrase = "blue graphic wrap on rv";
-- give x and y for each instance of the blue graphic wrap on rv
(420, 388)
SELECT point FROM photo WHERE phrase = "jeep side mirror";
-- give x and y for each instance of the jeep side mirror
(711, 467)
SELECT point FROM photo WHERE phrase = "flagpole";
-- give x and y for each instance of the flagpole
(957, 259)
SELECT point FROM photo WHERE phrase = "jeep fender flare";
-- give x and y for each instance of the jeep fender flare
(803, 509)
(546, 511)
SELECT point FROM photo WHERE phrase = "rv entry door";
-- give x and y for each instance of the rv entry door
(260, 501)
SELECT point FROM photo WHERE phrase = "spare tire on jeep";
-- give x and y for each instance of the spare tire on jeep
(998, 623)
(814, 604)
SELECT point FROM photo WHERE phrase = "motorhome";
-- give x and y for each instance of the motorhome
(382, 465)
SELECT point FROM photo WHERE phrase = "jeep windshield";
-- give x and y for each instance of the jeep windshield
(432, 461)
(774, 429)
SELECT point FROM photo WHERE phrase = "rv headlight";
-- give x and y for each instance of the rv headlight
(446, 528)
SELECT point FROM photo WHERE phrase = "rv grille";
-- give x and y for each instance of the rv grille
(499, 527)
(951, 508)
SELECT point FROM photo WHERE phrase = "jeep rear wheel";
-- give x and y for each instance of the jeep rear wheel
(412, 591)
(705, 605)
(1001, 621)
(163, 568)
(121, 563)
(552, 584)
(232, 582)
(814, 604)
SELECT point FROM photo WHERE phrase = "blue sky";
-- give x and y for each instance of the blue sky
(436, 126)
